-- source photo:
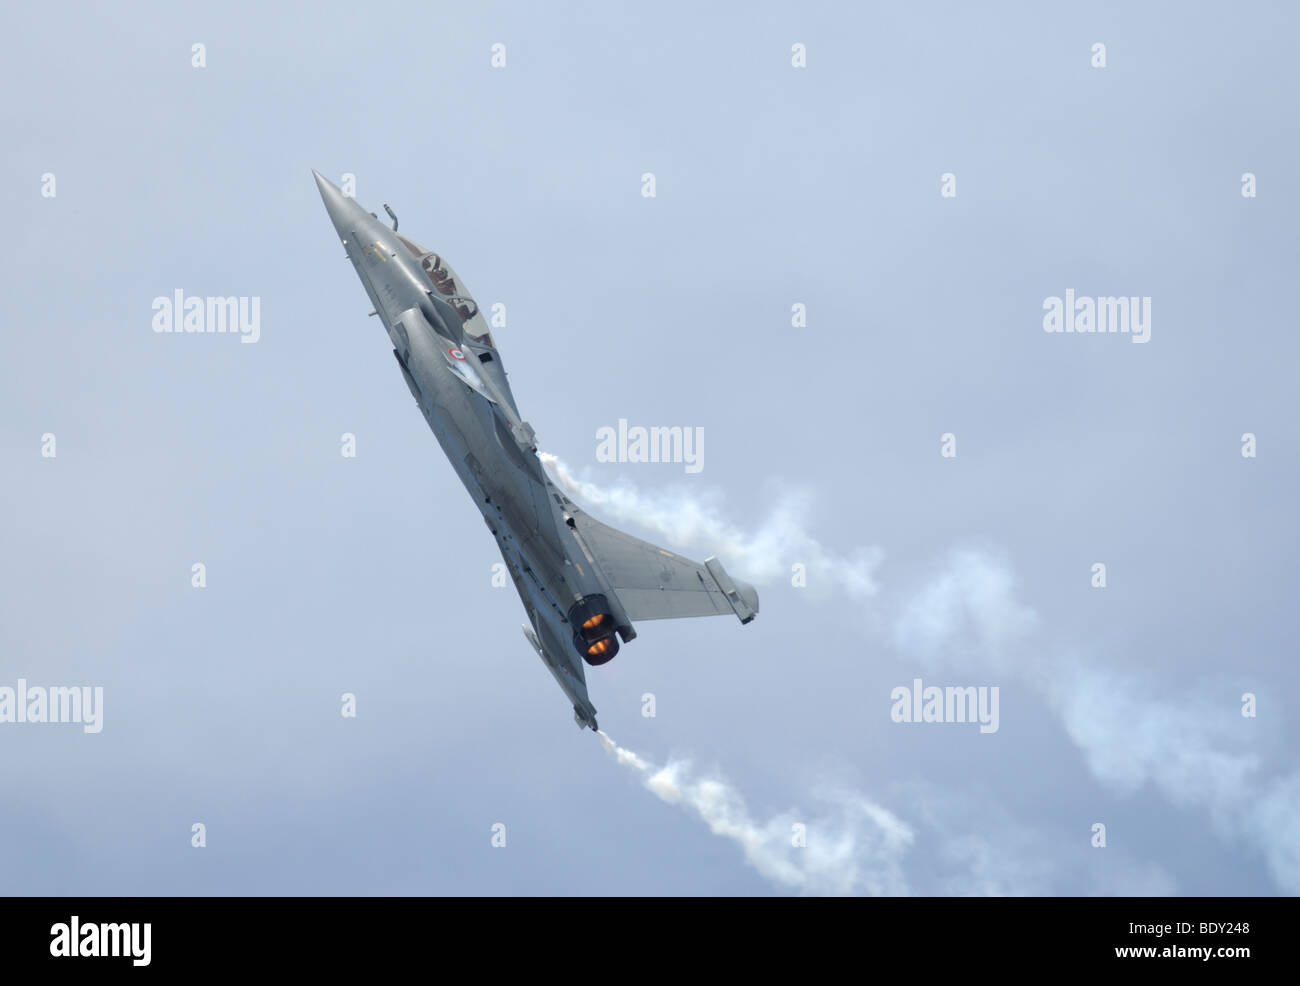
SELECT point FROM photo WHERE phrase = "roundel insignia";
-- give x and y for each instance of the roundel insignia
(456, 353)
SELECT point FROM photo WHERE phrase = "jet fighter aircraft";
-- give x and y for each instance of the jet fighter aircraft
(583, 585)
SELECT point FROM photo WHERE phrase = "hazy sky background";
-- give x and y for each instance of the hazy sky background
(775, 185)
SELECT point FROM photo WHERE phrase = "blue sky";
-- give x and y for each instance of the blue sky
(775, 186)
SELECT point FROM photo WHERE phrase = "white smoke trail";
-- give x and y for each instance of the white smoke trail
(857, 850)
(688, 519)
(968, 616)
(1192, 748)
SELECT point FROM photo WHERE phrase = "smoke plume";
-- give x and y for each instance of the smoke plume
(1190, 747)
(856, 848)
(689, 519)
(1194, 747)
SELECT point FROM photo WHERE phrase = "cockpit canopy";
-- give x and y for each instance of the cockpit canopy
(436, 271)
(465, 307)
(448, 286)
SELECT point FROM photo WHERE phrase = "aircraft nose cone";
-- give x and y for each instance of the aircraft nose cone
(343, 211)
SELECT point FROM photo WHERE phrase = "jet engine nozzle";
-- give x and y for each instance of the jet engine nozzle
(593, 634)
(602, 651)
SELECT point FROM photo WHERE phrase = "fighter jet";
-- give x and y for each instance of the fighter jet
(583, 585)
